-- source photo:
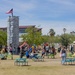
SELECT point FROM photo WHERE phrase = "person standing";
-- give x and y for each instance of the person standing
(63, 55)
(18, 50)
(21, 52)
(11, 52)
(72, 49)
(53, 52)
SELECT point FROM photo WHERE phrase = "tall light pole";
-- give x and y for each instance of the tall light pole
(64, 29)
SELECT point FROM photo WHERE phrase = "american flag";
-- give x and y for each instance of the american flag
(10, 11)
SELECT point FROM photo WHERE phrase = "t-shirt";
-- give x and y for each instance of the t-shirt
(63, 51)
(47, 48)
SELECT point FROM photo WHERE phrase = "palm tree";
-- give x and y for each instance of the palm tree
(64, 30)
(52, 33)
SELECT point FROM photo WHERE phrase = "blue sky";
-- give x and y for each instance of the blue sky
(56, 14)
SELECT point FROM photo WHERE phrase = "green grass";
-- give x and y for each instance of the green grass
(48, 67)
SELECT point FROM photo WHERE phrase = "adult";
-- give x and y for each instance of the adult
(22, 52)
(11, 50)
(72, 49)
(18, 50)
(43, 52)
(63, 55)
(53, 51)
(46, 48)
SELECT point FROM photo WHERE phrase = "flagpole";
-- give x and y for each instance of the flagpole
(12, 14)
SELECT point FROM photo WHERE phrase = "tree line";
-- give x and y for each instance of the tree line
(33, 36)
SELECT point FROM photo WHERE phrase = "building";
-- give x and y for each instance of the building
(72, 33)
(22, 30)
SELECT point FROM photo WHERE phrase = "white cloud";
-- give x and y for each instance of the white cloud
(46, 25)
(64, 2)
(21, 5)
(66, 5)
(58, 27)
(3, 22)
(33, 12)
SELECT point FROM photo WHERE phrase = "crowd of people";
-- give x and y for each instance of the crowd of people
(33, 51)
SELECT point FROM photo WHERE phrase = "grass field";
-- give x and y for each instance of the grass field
(48, 67)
